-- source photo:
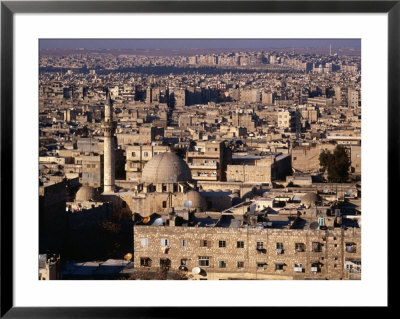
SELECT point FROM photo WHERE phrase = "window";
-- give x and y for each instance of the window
(316, 247)
(183, 262)
(240, 244)
(222, 244)
(261, 265)
(164, 204)
(165, 263)
(260, 245)
(184, 242)
(144, 242)
(279, 266)
(145, 262)
(146, 154)
(222, 264)
(164, 188)
(164, 242)
(240, 264)
(133, 154)
(299, 247)
(294, 158)
(315, 267)
(205, 243)
(204, 261)
(279, 248)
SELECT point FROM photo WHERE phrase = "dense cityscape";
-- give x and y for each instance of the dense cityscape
(200, 164)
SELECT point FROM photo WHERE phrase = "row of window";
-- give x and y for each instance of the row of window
(204, 261)
(145, 154)
(299, 247)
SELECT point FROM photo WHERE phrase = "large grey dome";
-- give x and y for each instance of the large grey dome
(166, 168)
(86, 193)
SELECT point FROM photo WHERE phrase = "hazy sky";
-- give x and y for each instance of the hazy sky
(196, 44)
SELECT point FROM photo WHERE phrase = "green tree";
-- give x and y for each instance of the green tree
(337, 164)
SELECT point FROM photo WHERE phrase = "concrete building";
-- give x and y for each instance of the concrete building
(92, 170)
(353, 98)
(208, 160)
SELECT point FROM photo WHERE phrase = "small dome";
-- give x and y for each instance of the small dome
(86, 193)
(309, 199)
(197, 200)
(166, 168)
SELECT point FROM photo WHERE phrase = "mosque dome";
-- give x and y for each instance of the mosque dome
(86, 193)
(197, 201)
(309, 199)
(166, 168)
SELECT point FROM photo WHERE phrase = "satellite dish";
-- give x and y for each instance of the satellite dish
(158, 222)
(146, 220)
(128, 257)
(196, 270)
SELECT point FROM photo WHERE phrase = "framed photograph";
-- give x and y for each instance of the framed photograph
(158, 155)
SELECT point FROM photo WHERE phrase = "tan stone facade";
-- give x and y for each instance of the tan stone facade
(260, 172)
(234, 253)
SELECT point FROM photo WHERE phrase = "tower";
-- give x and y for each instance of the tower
(109, 149)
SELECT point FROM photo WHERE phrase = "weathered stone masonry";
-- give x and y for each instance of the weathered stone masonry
(327, 254)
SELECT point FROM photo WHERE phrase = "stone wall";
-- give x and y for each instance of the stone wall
(331, 256)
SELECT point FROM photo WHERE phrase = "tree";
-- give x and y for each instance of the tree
(337, 164)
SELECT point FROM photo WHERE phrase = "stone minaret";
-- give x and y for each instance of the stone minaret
(109, 149)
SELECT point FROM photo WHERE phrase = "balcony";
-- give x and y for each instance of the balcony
(314, 269)
(279, 251)
(132, 169)
(202, 155)
(203, 166)
(298, 269)
(204, 177)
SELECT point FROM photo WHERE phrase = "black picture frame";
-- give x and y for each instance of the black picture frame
(9, 8)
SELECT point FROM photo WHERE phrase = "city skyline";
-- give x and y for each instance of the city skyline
(177, 44)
